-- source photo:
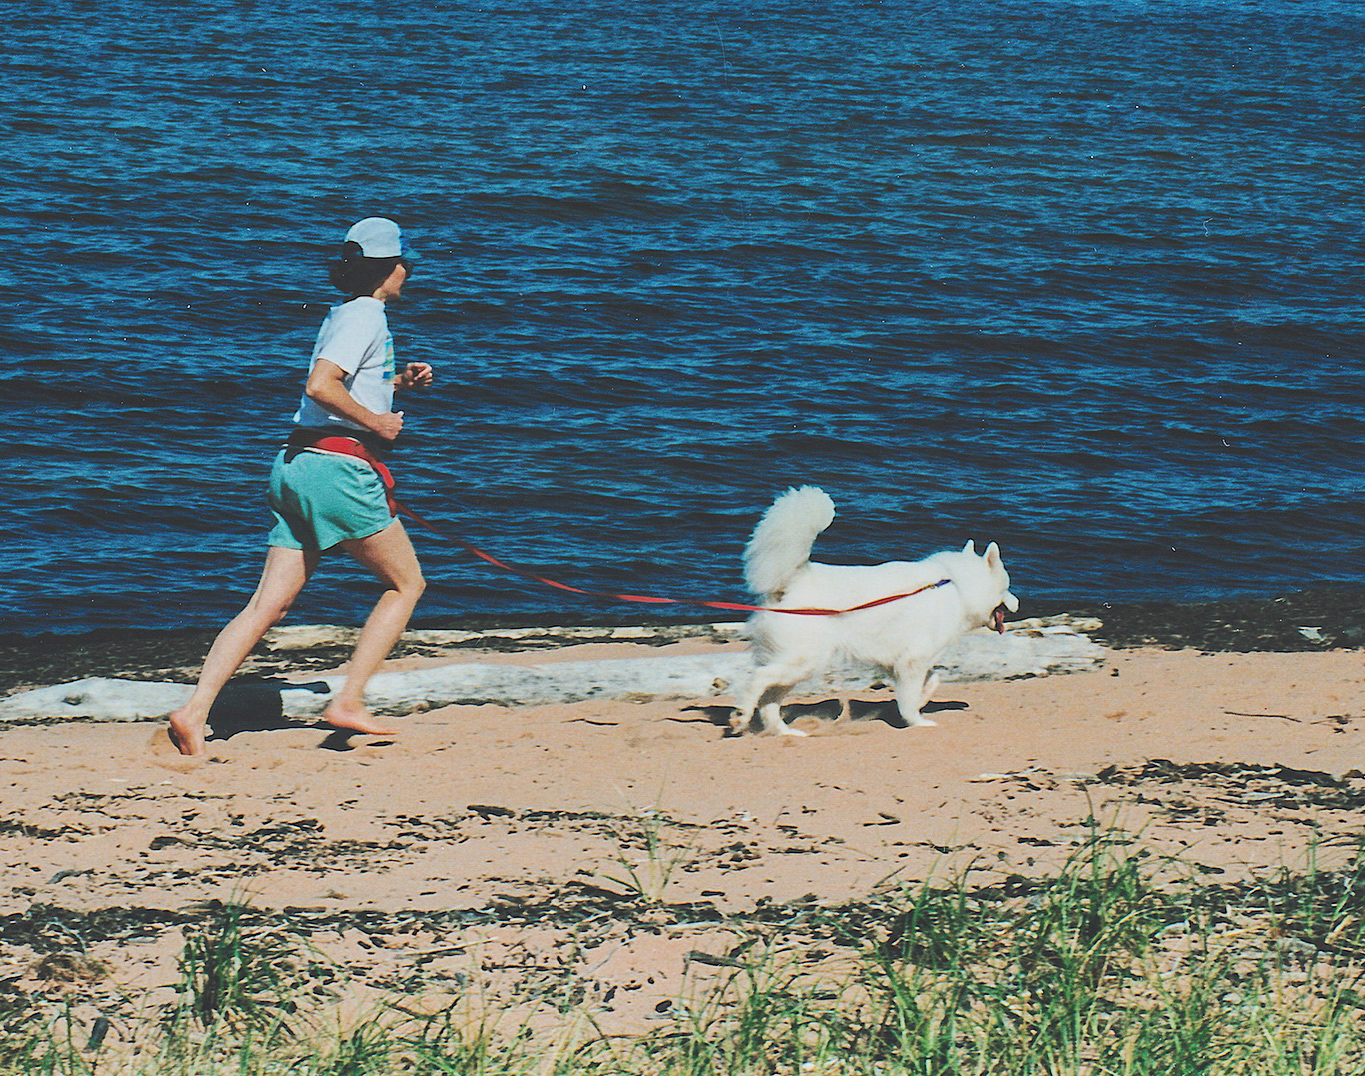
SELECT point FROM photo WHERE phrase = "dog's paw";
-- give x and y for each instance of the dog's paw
(919, 721)
(777, 728)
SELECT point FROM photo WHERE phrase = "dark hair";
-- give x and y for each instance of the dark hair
(355, 274)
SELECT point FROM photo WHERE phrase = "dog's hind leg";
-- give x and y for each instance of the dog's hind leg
(914, 688)
(759, 708)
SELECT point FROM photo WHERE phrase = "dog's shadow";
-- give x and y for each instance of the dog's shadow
(887, 712)
(256, 704)
(830, 710)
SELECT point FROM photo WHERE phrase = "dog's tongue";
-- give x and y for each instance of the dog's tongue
(998, 619)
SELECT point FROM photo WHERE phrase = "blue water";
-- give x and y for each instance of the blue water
(1080, 277)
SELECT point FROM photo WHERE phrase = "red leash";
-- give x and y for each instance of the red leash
(348, 446)
(735, 606)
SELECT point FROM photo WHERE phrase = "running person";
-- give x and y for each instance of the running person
(328, 488)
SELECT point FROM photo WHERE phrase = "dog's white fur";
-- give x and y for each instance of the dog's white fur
(902, 638)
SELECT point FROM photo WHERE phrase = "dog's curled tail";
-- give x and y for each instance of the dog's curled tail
(782, 540)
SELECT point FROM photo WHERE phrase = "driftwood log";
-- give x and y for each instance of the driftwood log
(1023, 651)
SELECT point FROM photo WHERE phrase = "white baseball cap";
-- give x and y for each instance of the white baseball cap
(378, 237)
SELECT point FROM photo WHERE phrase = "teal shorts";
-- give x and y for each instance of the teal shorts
(320, 499)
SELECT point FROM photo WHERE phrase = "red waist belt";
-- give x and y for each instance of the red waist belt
(347, 446)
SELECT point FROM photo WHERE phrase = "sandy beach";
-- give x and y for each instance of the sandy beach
(623, 845)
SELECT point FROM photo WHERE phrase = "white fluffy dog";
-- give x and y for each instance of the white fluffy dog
(946, 595)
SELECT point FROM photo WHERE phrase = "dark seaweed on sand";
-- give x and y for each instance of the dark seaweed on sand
(1307, 620)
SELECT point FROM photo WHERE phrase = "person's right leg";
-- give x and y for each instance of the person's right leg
(284, 575)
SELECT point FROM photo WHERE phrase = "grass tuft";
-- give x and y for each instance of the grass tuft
(647, 877)
(233, 977)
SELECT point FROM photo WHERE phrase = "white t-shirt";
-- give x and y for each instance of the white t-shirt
(354, 336)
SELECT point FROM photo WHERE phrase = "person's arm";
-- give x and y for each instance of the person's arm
(416, 375)
(326, 387)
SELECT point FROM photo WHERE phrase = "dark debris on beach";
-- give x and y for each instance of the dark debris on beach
(37, 661)
(1304, 621)
(591, 912)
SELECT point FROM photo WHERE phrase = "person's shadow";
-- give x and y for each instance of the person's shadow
(256, 704)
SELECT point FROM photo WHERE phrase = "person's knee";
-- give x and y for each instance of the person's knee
(408, 585)
(275, 616)
(269, 612)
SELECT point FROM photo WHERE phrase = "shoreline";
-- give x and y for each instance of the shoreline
(1303, 621)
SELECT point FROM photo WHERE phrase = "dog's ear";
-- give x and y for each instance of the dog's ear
(970, 547)
(992, 554)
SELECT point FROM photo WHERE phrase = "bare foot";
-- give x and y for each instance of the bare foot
(354, 718)
(186, 732)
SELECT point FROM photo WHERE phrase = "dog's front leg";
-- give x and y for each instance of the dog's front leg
(914, 688)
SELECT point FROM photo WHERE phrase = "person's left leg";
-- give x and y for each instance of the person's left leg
(389, 554)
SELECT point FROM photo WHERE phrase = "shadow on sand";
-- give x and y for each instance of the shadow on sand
(829, 710)
(256, 704)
